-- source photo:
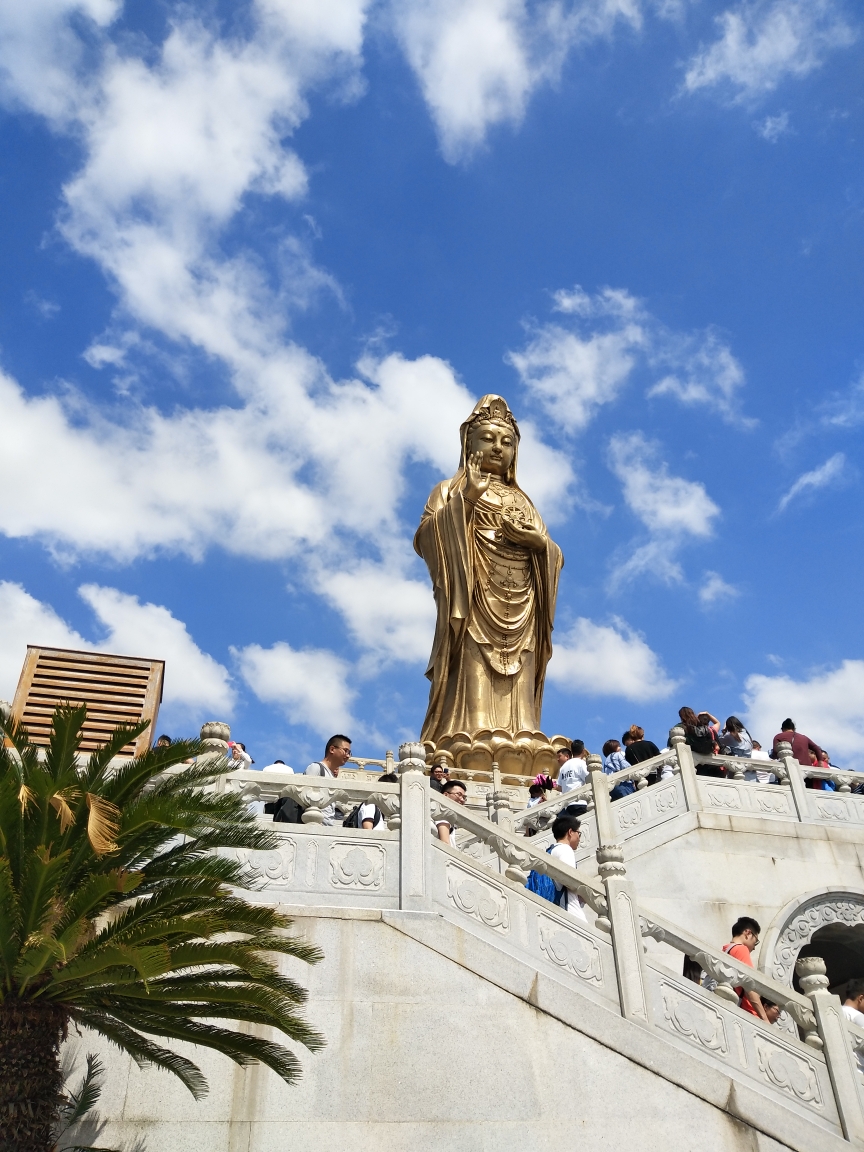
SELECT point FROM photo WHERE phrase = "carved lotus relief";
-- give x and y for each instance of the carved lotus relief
(666, 799)
(278, 864)
(474, 897)
(788, 1072)
(696, 1022)
(569, 949)
(354, 867)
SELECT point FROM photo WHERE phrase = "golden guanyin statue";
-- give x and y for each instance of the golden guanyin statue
(494, 571)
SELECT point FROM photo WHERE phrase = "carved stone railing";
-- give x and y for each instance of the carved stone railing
(810, 1069)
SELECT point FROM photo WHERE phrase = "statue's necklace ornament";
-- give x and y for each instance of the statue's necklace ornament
(494, 571)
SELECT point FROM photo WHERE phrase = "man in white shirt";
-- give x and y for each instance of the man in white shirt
(278, 766)
(565, 833)
(853, 1009)
(573, 773)
(337, 753)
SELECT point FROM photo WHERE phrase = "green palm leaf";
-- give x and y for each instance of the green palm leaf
(121, 910)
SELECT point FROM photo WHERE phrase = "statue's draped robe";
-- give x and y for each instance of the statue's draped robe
(495, 602)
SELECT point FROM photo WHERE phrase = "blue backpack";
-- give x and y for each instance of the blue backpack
(544, 886)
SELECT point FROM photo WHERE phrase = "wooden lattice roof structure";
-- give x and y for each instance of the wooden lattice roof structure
(116, 690)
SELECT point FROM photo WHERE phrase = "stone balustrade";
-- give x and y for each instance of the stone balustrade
(403, 865)
(808, 1059)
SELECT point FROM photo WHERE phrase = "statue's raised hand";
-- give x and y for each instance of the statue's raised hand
(476, 481)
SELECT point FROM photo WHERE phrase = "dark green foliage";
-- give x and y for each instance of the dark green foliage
(118, 912)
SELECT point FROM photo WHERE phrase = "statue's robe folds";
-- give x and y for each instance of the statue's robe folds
(495, 602)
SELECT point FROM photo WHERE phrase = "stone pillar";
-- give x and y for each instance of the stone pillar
(498, 803)
(686, 769)
(214, 738)
(793, 777)
(622, 909)
(414, 829)
(836, 1045)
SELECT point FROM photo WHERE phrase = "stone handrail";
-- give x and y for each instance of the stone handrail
(522, 857)
(638, 773)
(315, 793)
(515, 850)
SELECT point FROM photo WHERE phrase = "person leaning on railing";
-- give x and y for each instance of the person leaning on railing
(615, 761)
(745, 937)
(699, 736)
(456, 791)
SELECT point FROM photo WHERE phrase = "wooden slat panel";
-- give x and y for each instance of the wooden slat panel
(116, 690)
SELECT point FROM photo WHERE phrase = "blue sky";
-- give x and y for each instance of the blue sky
(260, 259)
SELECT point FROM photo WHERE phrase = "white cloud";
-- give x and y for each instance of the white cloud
(175, 138)
(608, 660)
(773, 127)
(388, 614)
(762, 43)
(310, 685)
(705, 374)
(657, 558)
(820, 477)
(845, 409)
(25, 620)
(573, 370)
(829, 708)
(193, 680)
(666, 505)
(478, 61)
(715, 589)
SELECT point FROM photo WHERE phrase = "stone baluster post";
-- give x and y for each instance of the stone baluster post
(622, 909)
(389, 762)
(214, 737)
(498, 802)
(414, 829)
(836, 1045)
(793, 777)
(686, 769)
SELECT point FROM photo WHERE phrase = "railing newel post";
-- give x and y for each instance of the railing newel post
(414, 840)
(836, 1045)
(686, 769)
(622, 911)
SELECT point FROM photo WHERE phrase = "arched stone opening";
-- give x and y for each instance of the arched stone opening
(829, 924)
(841, 946)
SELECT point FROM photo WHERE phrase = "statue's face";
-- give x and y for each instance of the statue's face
(497, 445)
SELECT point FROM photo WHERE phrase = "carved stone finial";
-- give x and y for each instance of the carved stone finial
(811, 973)
(412, 757)
(595, 762)
(784, 750)
(215, 736)
(676, 736)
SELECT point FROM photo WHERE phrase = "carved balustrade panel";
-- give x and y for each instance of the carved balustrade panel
(531, 928)
(746, 798)
(775, 1062)
(328, 865)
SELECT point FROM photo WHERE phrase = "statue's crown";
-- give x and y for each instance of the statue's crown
(495, 410)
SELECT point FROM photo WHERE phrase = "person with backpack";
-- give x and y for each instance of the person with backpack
(337, 753)
(369, 815)
(565, 833)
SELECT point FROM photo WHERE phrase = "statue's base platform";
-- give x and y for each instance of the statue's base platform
(524, 753)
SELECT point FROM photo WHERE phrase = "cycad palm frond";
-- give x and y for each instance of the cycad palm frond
(117, 912)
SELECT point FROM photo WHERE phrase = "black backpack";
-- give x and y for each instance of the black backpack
(285, 811)
(352, 820)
